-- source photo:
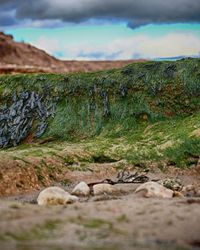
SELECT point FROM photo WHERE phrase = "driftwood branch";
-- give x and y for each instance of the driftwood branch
(124, 177)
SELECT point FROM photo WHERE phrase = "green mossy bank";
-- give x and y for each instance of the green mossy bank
(147, 111)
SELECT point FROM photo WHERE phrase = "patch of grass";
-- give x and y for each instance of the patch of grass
(39, 174)
(185, 154)
(65, 182)
(153, 109)
(155, 142)
(93, 223)
(141, 92)
(14, 206)
(79, 167)
(38, 232)
(168, 141)
(103, 159)
(97, 223)
(122, 218)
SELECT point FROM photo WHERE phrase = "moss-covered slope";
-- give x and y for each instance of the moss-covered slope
(145, 111)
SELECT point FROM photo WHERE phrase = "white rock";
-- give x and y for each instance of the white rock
(81, 189)
(153, 189)
(191, 191)
(72, 199)
(188, 188)
(178, 194)
(55, 196)
(198, 193)
(104, 188)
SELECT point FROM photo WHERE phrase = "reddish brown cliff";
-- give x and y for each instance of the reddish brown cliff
(16, 57)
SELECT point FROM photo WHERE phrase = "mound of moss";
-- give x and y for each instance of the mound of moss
(110, 102)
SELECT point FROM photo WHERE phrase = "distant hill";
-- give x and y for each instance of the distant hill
(175, 58)
(16, 57)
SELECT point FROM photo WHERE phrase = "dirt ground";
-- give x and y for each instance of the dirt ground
(122, 221)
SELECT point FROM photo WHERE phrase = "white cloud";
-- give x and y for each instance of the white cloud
(44, 23)
(140, 46)
(51, 46)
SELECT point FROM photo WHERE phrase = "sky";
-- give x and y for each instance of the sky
(105, 29)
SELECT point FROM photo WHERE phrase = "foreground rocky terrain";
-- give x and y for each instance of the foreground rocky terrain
(114, 221)
(118, 220)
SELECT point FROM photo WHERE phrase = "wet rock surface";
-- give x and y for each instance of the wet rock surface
(28, 109)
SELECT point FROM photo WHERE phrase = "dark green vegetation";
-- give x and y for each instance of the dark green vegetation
(145, 112)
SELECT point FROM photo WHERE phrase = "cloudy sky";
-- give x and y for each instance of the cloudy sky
(105, 29)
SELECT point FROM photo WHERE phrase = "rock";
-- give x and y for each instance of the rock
(189, 190)
(16, 120)
(178, 194)
(153, 189)
(104, 188)
(198, 193)
(55, 196)
(173, 184)
(72, 199)
(82, 189)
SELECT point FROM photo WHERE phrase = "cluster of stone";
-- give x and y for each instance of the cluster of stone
(18, 119)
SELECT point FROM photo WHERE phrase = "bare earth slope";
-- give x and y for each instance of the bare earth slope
(18, 57)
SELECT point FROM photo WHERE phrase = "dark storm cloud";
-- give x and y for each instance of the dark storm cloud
(7, 12)
(6, 20)
(135, 12)
(8, 4)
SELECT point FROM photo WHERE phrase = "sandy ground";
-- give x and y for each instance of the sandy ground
(122, 221)
(118, 221)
